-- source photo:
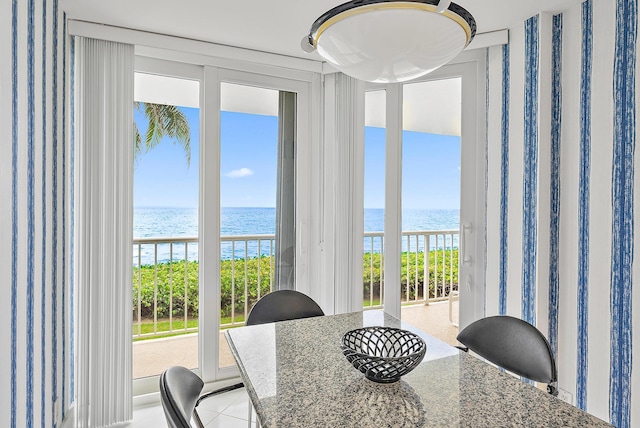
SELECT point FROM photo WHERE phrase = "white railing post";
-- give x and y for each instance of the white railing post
(171, 286)
(233, 282)
(155, 289)
(186, 285)
(139, 290)
(259, 277)
(426, 265)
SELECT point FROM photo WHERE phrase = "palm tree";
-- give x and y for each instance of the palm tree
(164, 120)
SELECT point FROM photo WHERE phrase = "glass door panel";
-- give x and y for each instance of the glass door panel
(431, 155)
(165, 276)
(257, 200)
(374, 198)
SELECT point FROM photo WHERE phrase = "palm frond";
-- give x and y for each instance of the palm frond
(137, 142)
(176, 125)
(164, 120)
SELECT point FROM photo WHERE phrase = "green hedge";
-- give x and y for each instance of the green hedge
(171, 282)
(447, 275)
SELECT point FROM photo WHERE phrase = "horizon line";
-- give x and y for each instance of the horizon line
(187, 207)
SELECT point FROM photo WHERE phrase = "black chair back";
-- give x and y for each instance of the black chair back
(514, 345)
(283, 305)
(179, 391)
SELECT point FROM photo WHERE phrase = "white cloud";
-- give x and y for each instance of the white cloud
(238, 173)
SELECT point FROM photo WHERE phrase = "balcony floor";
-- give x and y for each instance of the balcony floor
(151, 357)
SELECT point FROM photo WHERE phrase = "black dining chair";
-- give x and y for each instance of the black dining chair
(514, 345)
(180, 390)
(283, 305)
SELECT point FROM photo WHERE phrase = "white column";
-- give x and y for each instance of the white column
(393, 202)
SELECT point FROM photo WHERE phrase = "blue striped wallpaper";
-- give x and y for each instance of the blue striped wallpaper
(574, 128)
(583, 205)
(64, 217)
(54, 209)
(530, 164)
(554, 221)
(30, 208)
(37, 214)
(14, 210)
(624, 142)
(43, 196)
(504, 182)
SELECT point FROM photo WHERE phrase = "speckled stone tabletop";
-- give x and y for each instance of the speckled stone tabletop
(297, 376)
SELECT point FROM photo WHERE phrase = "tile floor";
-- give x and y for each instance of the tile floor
(228, 410)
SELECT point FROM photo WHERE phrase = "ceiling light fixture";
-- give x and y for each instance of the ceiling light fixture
(390, 40)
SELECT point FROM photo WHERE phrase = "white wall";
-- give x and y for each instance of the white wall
(35, 357)
(585, 317)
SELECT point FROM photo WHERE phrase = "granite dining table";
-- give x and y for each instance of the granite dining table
(296, 376)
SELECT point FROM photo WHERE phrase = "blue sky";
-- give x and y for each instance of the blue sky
(161, 177)
(431, 167)
(430, 170)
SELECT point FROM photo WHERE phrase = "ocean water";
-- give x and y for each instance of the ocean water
(179, 222)
(414, 220)
(164, 222)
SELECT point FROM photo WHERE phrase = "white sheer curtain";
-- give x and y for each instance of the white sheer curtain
(345, 168)
(104, 227)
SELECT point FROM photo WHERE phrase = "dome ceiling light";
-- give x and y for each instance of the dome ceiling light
(388, 41)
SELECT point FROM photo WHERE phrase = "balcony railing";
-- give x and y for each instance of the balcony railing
(426, 276)
(165, 276)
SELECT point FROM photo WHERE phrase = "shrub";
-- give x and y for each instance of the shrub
(446, 274)
(168, 281)
(234, 274)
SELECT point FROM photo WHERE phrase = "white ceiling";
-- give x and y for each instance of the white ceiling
(275, 26)
(433, 107)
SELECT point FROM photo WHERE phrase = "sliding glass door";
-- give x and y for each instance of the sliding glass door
(257, 199)
(431, 134)
(251, 203)
(374, 198)
(427, 201)
(165, 288)
(218, 209)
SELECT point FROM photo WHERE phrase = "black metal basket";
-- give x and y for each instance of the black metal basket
(383, 354)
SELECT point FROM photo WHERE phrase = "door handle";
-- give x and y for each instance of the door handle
(466, 259)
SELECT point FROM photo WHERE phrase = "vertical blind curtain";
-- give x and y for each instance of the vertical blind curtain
(348, 166)
(103, 205)
(286, 193)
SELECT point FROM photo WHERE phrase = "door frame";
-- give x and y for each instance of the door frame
(209, 236)
(470, 67)
(178, 70)
(307, 86)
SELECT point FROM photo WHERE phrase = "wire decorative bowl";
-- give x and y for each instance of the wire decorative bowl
(383, 354)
